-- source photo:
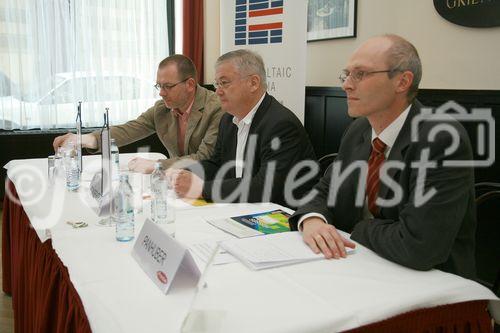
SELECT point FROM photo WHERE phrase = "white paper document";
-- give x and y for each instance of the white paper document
(204, 250)
(273, 250)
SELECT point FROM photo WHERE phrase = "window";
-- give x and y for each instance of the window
(57, 53)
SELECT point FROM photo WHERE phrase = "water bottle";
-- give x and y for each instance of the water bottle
(158, 195)
(72, 174)
(123, 210)
(115, 160)
(162, 200)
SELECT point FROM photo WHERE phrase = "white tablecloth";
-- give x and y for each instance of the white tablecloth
(319, 296)
(48, 206)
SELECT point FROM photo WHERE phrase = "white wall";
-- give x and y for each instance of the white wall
(453, 57)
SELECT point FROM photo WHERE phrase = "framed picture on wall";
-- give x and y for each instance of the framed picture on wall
(329, 19)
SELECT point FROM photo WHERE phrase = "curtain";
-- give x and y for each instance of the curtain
(57, 52)
(193, 34)
(43, 297)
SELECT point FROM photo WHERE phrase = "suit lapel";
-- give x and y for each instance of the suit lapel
(364, 147)
(229, 138)
(400, 146)
(169, 137)
(259, 114)
(194, 117)
(257, 118)
(361, 152)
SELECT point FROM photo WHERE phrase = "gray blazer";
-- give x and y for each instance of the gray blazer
(201, 132)
(438, 234)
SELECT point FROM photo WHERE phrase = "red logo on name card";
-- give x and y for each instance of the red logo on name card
(162, 277)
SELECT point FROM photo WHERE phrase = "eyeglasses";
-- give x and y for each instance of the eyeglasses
(166, 86)
(357, 76)
(224, 84)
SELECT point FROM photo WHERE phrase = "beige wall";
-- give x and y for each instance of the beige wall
(453, 57)
(212, 37)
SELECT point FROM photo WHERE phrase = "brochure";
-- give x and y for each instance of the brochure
(270, 222)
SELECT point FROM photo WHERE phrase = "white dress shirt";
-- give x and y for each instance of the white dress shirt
(243, 130)
(388, 136)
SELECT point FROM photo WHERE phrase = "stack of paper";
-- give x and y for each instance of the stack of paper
(271, 250)
(204, 250)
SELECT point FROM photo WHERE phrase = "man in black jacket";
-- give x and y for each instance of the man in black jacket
(408, 195)
(259, 143)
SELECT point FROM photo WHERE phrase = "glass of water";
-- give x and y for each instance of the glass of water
(51, 169)
(136, 182)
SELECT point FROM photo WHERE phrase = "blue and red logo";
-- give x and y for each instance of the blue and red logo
(258, 22)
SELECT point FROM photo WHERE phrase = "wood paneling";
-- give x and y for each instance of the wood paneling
(326, 118)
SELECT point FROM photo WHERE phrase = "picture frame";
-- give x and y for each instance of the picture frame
(331, 19)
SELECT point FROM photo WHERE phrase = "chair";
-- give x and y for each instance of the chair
(325, 161)
(488, 235)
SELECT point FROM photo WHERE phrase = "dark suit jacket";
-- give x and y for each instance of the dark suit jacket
(438, 234)
(271, 121)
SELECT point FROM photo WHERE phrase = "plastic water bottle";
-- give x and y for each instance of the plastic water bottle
(162, 199)
(72, 174)
(115, 160)
(123, 210)
(158, 195)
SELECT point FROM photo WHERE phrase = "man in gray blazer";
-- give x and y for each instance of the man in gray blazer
(186, 119)
(397, 196)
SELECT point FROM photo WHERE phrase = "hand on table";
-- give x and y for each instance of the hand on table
(185, 183)
(142, 165)
(88, 141)
(324, 237)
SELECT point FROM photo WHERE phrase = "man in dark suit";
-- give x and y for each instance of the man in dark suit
(400, 197)
(258, 144)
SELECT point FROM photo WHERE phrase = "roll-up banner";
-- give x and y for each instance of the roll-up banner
(276, 29)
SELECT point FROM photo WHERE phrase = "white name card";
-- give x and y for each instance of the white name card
(161, 256)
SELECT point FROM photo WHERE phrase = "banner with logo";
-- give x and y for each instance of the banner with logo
(276, 29)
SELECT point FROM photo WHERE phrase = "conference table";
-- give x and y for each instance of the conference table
(65, 279)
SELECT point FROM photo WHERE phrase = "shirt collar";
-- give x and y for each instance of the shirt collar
(391, 132)
(247, 120)
(177, 113)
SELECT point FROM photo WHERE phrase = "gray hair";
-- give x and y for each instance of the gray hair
(247, 62)
(403, 56)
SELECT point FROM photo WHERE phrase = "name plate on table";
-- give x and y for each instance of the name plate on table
(162, 257)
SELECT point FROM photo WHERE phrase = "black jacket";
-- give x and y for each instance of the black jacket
(280, 143)
(438, 234)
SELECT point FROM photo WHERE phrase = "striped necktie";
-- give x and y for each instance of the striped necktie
(376, 160)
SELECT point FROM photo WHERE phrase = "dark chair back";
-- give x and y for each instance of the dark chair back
(488, 235)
